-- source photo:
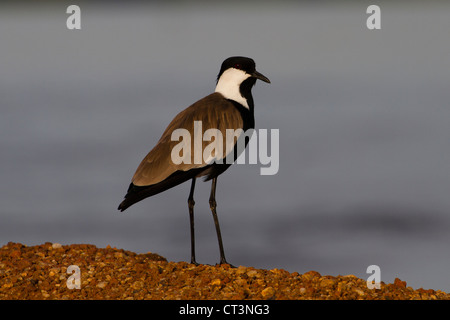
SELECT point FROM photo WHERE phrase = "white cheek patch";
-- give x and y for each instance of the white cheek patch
(229, 83)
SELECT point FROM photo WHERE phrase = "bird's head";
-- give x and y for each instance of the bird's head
(236, 78)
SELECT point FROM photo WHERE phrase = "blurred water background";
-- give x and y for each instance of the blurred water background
(363, 116)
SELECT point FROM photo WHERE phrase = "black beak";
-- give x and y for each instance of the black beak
(260, 76)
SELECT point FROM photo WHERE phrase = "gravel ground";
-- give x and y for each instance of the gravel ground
(41, 272)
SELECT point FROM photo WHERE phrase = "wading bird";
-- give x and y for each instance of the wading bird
(229, 107)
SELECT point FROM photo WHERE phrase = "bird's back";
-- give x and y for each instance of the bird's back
(157, 172)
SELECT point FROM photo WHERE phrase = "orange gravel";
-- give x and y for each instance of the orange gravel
(40, 272)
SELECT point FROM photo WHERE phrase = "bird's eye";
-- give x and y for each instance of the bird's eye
(237, 66)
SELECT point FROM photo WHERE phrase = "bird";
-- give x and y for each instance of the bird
(230, 106)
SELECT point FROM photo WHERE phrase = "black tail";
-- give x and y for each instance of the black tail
(138, 193)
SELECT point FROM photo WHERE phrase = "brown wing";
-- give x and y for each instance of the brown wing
(214, 111)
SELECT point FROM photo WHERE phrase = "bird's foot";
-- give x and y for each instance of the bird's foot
(225, 262)
(195, 263)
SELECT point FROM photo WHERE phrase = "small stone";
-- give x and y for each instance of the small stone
(16, 254)
(241, 282)
(268, 293)
(399, 283)
(119, 255)
(241, 270)
(101, 285)
(327, 283)
(138, 284)
(276, 270)
(252, 273)
(56, 245)
(359, 291)
(216, 282)
(310, 275)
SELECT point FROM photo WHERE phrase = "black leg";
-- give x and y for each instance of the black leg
(191, 204)
(213, 205)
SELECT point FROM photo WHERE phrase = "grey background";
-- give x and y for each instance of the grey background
(363, 117)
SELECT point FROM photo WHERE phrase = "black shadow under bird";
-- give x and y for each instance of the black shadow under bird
(229, 107)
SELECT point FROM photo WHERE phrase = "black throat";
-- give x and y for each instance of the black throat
(246, 91)
(247, 114)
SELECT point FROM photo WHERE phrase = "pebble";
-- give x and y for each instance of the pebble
(252, 273)
(56, 246)
(268, 293)
(327, 283)
(216, 282)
